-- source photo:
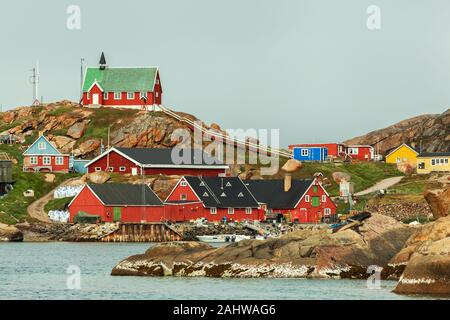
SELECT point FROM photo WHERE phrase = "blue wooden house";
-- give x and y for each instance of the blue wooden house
(310, 153)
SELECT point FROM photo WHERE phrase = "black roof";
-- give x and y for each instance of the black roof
(125, 194)
(222, 192)
(435, 154)
(271, 192)
(102, 59)
(159, 156)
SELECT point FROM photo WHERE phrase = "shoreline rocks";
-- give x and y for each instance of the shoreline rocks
(10, 234)
(308, 253)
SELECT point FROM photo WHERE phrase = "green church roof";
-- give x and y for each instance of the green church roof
(121, 79)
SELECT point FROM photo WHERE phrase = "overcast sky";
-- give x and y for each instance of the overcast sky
(310, 68)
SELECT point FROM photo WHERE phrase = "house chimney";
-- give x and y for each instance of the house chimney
(287, 182)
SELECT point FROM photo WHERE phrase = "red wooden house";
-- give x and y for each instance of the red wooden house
(43, 156)
(130, 87)
(213, 198)
(148, 161)
(118, 203)
(335, 150)
(361, 152)
(302, 201)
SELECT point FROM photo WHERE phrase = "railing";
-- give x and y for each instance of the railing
(225, 138)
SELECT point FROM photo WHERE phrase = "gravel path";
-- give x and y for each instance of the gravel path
(380, 185)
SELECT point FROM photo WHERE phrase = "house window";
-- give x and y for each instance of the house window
(248, 210)
(47, 161)
(213, 210)
(97, 169)
(33, 160)
(327, 211)
(324, 198)
(59, 161)
(230, 210)
(143, 95)
(353, 150)
(117, 95)
(130, 95)
(122, 169)
(157, 94)
(422, 165)
(305, 152)
(307, 198)
(42, 145)
(88, 95)
(183, 197)
(105, 96)
(110, 169)
(183, 183)
(206, 194)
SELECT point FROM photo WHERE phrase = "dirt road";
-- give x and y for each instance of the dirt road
(380, 185)
(36, 209)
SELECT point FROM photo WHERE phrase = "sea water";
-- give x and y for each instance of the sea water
(47, 271)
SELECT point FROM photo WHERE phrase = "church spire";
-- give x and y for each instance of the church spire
(102, 62)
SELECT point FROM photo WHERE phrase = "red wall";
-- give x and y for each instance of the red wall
(364, 153)
(309, 214)
(87, 202)
(64, 168)
(116, 161)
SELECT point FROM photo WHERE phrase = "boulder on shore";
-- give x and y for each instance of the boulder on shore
(425, 260)
(307, 253)
(10, 233)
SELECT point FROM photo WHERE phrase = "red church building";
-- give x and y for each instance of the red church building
(155, 161)
(301, 201)
(118, 203)
(122, 87)
(213, 198)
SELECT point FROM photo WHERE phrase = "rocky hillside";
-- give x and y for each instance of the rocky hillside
(432, 131)
(81, 131)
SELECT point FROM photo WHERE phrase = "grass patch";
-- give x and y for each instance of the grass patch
(57, 204)
(413, 185)
(56, 112)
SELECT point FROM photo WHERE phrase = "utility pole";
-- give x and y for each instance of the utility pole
(81, 78)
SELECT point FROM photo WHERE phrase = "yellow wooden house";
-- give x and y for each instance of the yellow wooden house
(438, 162)
(402, 153)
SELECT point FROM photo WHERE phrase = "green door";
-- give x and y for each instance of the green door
(315, 201)
(117, 214)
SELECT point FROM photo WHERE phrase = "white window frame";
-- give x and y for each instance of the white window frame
(47, 161)
(131, 96)
(157, 94)
(248, 210)
(307, 198)
(105, 95)
(33, 160)
(88, 95)
(230, 210)
(305, 153)
(59, 161)
(122, 169)
(110, 169)
(327, 211)
(353, 151)
(143, 95)
(42, 145)
(117, 95)
(324, 198)
(183, 183)
(183, 197)
(98, 169)
(213, 210)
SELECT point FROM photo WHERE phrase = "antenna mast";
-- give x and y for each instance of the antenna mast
(81, 78)
(35, 82)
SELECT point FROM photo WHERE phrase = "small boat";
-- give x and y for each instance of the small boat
(222, 238)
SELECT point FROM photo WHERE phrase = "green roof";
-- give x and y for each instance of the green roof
(121, 79)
